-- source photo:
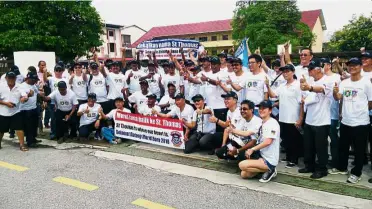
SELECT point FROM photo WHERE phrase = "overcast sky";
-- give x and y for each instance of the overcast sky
(151, 13)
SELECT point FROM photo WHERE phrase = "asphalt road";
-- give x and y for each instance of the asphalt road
(119, 184)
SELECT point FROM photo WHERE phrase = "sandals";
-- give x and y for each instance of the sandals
(23, 148)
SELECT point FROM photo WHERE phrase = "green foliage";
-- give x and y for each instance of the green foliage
(67, 28)
(356, 34)
(270, 23)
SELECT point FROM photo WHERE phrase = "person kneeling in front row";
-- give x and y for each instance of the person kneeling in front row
(89, 114)
(241, 136)
(109, 133)
(268, 148)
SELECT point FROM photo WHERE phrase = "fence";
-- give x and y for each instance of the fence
(5, 65)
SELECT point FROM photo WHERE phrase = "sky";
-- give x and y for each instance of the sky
(150, 13)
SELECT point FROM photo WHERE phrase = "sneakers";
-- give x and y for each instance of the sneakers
(334, 171)
(97, 136)
(370, 180)
(353, 179)
(290, 165)
(266, 177)
(11, 135)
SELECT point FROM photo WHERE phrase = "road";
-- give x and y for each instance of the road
(44, 177)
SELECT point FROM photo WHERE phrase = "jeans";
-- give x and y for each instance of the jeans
(85, 130)
(108, 134)
(333, 134)
(352, 135)
(52, 120)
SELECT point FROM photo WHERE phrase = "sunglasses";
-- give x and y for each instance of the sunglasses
(304, 55)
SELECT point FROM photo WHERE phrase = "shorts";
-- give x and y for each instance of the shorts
(11, 122)
(271, 167)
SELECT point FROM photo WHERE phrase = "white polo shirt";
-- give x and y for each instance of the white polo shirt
(10, 95)
(31, 102)
(202, 122)
(270, 129)
(255, 87)
(116, 83)
(64, 102)
(91, 116)
(355, 98)
(290, 101)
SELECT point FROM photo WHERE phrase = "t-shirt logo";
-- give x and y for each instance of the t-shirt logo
(118, 81)
(255, 84)
(81, 83)
(92, 115)
(350, 93)
(55, 85)
(98, 82)
(250, 84)
(64, 102)
(136, 77)
(141, 102)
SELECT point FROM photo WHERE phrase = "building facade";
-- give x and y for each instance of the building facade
(112, 42)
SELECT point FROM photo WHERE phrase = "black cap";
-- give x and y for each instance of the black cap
(276, 63)
(195, 68)
(171, 84)
(116, 63)
(355, 61)
(152, 96)
(215, 60)
(58, 68)
(92, 96)
(144, 82)
(197, 97)
(10, 74)
(76, 64)
(15, 69)
(222, 55)
(189, 63)
(165, 64)
(287, 67)
(172, 65)
(236, 60)
(266, 104)
(151, 64)
(118, 99)
(109, 62)
(179, 96)
(62, 85)
(326, 61)
(366, 55)
(230, 94)
(314, 63)
(93, 65)
(32, 75)
(207, 59)
(133, 62)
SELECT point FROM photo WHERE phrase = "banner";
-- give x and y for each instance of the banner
(161, 47)
(154, 130)
(242, 52)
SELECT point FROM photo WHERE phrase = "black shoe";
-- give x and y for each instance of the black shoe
(60, 141)
(266, 177)
(284, 160)
(306, 170)
(318, 175)
(211, 152)
(365, 162)
(38, 141)
(370, 181)
(290, 165)
(11, 135)
(32, 145)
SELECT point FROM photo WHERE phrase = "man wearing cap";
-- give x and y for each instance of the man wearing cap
(254, 84)
(139, 98)
(78, 81)
(97, 84)
(66, 103)
(153, 79)
(290, 114)
(116, 83)
(223, 56)
(149, 109)
(241, 133)
(355, 94)
(133, 75)
(52, 82)
(238, 76)
(204, 129)
(89, 115)
(108, 133)
(318, 120)
(175, 79)
(29, 109)
(11, 95)
(181, 110)
(263, 157)
(15, 70)
(167, 101)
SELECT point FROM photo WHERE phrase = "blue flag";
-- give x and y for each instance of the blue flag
(242, 52)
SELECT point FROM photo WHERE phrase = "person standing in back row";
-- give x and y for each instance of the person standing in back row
(355, 94)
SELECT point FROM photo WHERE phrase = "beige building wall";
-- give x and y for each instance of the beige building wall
(318, 31)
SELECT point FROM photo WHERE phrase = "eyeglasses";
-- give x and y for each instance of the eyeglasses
(251, 63)
(304, 55)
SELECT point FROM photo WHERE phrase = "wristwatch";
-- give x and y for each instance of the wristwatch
(208, 79)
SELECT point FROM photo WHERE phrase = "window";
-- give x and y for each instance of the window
(202, 39)
(214, 38)
(112, 47)
(225, 37)
(126, 40)
(192, 38)
(214, 52)
(111, 33)
(128, 53)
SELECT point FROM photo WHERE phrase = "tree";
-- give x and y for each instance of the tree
(356, 34)
(68, 28)
(270, 23)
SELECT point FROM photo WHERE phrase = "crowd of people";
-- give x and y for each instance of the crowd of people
(249, 115)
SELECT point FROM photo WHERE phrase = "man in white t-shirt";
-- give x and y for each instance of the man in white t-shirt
(355, 94)
(172, 77)
(97, 84)
(194, 83)
(241, 134)
(167, 102)
(66, 103)
(133, 75)
(317, 121)
(89, 115)
(154, 80)
(139, 98)
(264, 157)
(204, 129)
(254, 84)
(150, 109)
(109, 133)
